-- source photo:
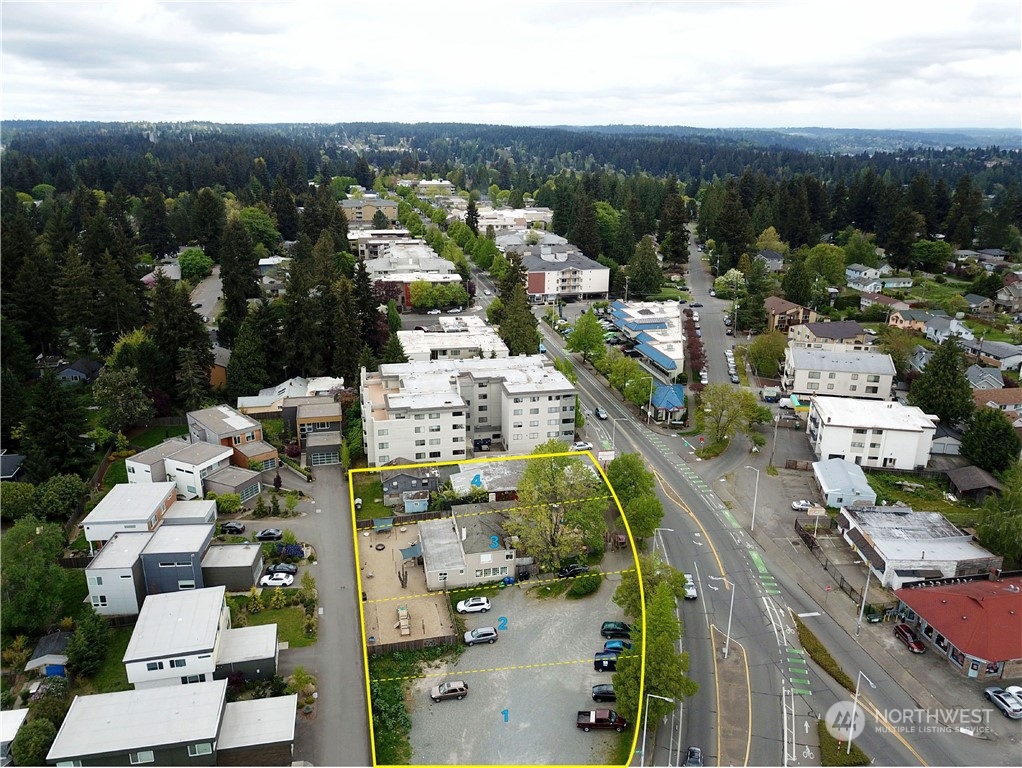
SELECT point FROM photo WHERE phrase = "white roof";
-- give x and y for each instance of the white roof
(872, 414)
(226, 555)
(130, 501)
(826, 360)
(10, 722)
(248, 644)
(128, 721)
(195, 509)
(176, 622)
(179, 538)
(258, 721)
(121, 551)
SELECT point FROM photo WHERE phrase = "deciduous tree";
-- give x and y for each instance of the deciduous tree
(32, 581)
(766, 352)
(59, 498)
(17, 500)
(587, 337)
(195, 265)
(725, 411)
(1000, 527)
(629, 477)
(122, 399)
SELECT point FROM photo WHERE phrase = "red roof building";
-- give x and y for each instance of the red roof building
(977, 625)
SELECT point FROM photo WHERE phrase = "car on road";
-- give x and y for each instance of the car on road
(615, 629)
(269, 534)
(1007, 702)
(481, 635)
(575, 569)
(288, 568)
(542, 348)
(486, 293)
(232, 526)
(729, 332)
(617, 646)
(474, 605)
(695, 304)
(907, 635)
(690, 587)
(604, 692)
(277, 580)
(581, 445)
(735, 379)
(699, 334)
(453, 689)
(802, 505)
(454, 311)
(196, 305)
(600, 413)
(694, 756)
(434, 312)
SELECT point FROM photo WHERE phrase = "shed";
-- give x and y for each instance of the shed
(50, 655)
(973, 482)
(842, 483)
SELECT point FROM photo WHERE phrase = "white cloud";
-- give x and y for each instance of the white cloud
(713, 64)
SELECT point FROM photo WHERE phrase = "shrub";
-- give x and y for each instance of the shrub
(228, 503)
(277, 599)
(584, 585)
(832, 751)
(255, 601)
(33, 742)
(819, 653)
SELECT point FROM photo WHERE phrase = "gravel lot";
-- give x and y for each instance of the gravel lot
(540, 671)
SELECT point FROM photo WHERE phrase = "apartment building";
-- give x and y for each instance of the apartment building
(812, 372)
(453, 338)
(444, 410)
(870, 433)
(557, 271)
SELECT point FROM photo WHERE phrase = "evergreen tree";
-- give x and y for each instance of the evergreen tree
(209, 217)
(284, 208)
(673, 231)
(303, 323)
(584, 231)
(366, 305)
(192, 380)
(346, 331)
(75, 290)
(942, 389)
(53, 441)
(153, 228)
(246, 370)
(86, 650)
(518, 327)
(514, 275)
(393, 352)
(798, 283)
(990, 441)
(175, 326)
(645, 277)
(239, 275)
(29, 304)
(472, 216)
(732, 229)
(964, 213)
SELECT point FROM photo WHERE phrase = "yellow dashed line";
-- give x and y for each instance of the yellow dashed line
(460, 672)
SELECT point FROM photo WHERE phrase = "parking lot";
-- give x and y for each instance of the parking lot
(525, 689)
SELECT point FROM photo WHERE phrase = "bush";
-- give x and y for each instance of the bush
(832, 751)
(33, 742)
(228, 503)
(819, 653)
(585, 585)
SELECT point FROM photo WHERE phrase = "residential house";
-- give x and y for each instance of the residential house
(317, 422)
(50, 655)
(271, 399)
(407, 479)
(359, 211)
(172, 558)
(371, 243)
(656, 329)
(182, 638)
(842, 483)
(499, 479)
(218, 371)
(914, 319)
(976, 625)
(128, 508)
(81, 371)
(979, 305)
(458, 551)
(1001, 354)
(184, 725)
(11, 468)
(114, 576)
(559, 271)
(1007, 400)
(782, 314)
(860, 272)
(841, 332)
(244, 482)
(811, 372)
(236, 567)
(11, 721)
(430, 410)
(457, 337)
(222, 425)
(895, 283)
(984, 377)
(973, 483)
(179, 461)
(870, 433)
(773, 260)
(903, 546)
(889, 303)
(669, 404)
(940, 329)
(920, 357)
(1009, 298)
(865, 284)
(946, 441)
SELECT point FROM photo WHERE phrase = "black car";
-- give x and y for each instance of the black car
(283, 568)
(269, 534)
(604, 661)
(604, 692)
(232, 526)
(575, 569)
(695, 304)
(694, 756)
(615, 629)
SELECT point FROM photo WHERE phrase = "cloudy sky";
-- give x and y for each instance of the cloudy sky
(837, 63)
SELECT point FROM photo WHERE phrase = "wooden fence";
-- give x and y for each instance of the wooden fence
(377, 649)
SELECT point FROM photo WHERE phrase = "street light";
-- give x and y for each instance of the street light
(645, 721)
(649, 407)
(865, 593)
(855, 705)
(755, 499)
(730, 611)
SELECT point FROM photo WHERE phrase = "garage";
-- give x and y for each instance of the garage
(323, 459)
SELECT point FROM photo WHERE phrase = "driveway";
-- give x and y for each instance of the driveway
(525, 689)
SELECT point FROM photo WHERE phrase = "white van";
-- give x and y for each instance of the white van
(784, 402)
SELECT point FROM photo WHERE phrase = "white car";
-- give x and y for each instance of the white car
(802, 504)
(454, 311)
(474, 605)
(581, 445)
(690, 587)
(277, 580)
(433, 312)
(486, 293)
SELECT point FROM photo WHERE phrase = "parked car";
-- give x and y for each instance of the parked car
(277, 580)
(481, 635)
(604, 692)
(1008, 703)
(474, 605)
(287, 568)
(486, 293)
(617, 646)
(196, 305)
(690, 587)
(269, 534)
(600, 413)
(574, 569)
(600, 718)
(232, 526)
(581, 445)
(542, 348)
(453, 689)
(735, 379)
(729, 332)
(605, 661)
(615, 629)
(433, 312)
(454, 311)
(694, 756)
(905, 633)
(713, 292)
(802, 505)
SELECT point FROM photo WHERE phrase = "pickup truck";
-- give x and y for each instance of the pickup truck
(600, 718)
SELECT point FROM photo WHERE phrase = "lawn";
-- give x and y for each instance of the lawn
(368, 487)
(929, 498)
(290, 621)
(116, 474)
(112, 676)
(156, 435)
(927, 290)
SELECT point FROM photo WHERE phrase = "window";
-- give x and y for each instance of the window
(517, 436)
(434, 416)
(533, 411)
(381, 432)
(871, 390)
(194, 750)
(434, 441)
(814, 374)
(878, 431)
(420, 456)
(857, 445)
(516, 425)
(483, 419)
(184, 584)
(484, 407)
(153, 666)
(813, 385)
(434, 427)
(457, 413)
(534, 435)
(483, 397)
(383, 446)
(855, 377)
(419, 430)
(852, 388)
(533, 399)
(873, 378)
(554, 409)
(830, 386)
(193, 679)
(517, 412)
(831, 375)
(69, 764)
(420, 416)
(518, 400)
(99, 601)
(137, 758)
(420, 442)
(534, 423)
(383, 459)
(131, 470)
(858, 431)
(176, 663)
(434, 454)
(98, 581)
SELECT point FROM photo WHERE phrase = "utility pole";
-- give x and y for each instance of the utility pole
(626, 287)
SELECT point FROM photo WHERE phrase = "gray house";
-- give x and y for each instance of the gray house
(236, 567)
(397, 482)
(172, 560)
(842, 483)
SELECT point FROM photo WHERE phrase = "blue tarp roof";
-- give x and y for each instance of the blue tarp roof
(669, 397)
(657, 357)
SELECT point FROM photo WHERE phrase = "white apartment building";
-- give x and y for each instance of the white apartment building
(443, 410)
(812, 372)
(870, 433)
(454, 338)
(404, 256)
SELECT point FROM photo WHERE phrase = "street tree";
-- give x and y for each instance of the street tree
(726, 410)
(990, 441)
(730, 285)
(587, 337)
(644, 514)
(766, 352)
(942, 389)
(629, 477)
(122, 400)
(86, 650)
(52, 441)
(32, 581)
(666, 669)
(645, 277)
(1000, 526)
(560, 507)
(654, 572)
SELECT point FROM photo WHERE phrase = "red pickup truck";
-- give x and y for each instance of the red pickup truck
(600, 718)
